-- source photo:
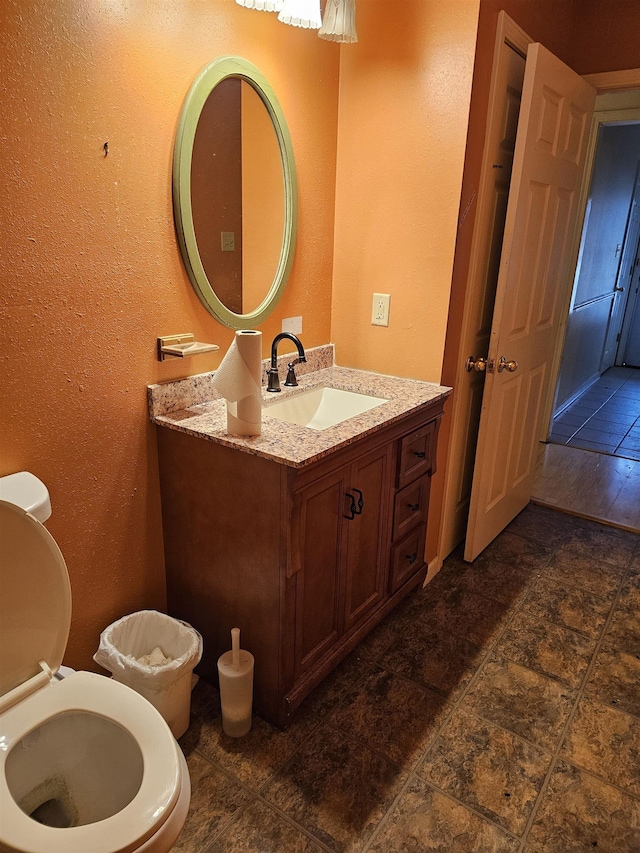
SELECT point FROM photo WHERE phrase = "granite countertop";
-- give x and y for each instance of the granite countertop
(290, 444)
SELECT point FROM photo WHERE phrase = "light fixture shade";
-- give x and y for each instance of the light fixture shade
(301, 13)
(262, 5)
(339, 21)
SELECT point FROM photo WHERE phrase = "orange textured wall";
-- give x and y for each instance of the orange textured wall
(90, 268)
(404, 99)
(404, 102)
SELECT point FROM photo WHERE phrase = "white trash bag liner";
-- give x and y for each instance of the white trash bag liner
(154, 636)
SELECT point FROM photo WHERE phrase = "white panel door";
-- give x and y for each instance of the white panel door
(484, 266)
(547, 171)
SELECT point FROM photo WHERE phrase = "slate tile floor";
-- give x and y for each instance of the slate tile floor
(606, 418)
(496, 710)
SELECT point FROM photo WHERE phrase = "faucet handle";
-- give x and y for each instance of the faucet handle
(273, 383)
(291, 380)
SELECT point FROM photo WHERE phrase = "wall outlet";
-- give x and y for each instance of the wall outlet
(227, 241)
(380, 309)
(293, 325)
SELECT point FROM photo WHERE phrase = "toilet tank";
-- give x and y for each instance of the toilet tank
(28, 492)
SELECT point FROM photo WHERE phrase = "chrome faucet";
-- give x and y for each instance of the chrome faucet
(272, 372)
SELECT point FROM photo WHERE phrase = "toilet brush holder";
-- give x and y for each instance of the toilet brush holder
(235, 671)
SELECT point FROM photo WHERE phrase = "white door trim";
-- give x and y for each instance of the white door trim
(611, 81)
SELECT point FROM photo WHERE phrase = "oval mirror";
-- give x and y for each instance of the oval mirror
(235, 192)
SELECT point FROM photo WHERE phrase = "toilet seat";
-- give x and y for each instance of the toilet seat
(85, 692)
(35, 613)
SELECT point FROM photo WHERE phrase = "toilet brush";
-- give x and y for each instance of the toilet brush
(235, 671)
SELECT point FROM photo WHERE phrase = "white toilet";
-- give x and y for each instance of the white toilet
(87, 764)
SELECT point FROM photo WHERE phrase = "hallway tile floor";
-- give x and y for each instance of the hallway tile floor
(606, 418)
(495, 711)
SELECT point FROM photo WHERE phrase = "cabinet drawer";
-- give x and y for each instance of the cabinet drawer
(411, 506)
(416, 454)
(407, 557)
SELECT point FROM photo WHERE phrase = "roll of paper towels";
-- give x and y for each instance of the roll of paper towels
(238, 379)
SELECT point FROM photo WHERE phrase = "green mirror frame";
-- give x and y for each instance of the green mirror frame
(210, 76)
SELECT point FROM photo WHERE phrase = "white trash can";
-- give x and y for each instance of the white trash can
(154, 654)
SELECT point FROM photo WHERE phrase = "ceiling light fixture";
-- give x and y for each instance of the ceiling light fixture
(339, 22)
(262, 5)
(301, 13)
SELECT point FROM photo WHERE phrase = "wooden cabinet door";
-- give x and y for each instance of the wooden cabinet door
(318, 550)
(367, 534)
(340, 545)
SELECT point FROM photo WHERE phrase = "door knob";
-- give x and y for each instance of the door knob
(503, 364)
(478, 364)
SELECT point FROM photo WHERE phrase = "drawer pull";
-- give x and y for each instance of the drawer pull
(412, 557)
(352, 508)
(355, 509)
(419, 453)
(414, 507)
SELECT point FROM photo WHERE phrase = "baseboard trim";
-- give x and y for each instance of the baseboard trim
(432, 569)
(576, 394)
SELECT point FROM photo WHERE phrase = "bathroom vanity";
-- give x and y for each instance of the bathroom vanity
(303, 539)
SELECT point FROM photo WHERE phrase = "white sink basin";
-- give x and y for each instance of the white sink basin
(322, 407)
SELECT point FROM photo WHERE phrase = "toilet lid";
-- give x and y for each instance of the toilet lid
(35, 604)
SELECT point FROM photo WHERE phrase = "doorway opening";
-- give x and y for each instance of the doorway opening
(616, 91)
(597, 400)
(591, 464)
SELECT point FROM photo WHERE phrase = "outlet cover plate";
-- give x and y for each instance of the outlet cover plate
(380, 309)
(228, 241)
(293, 325)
